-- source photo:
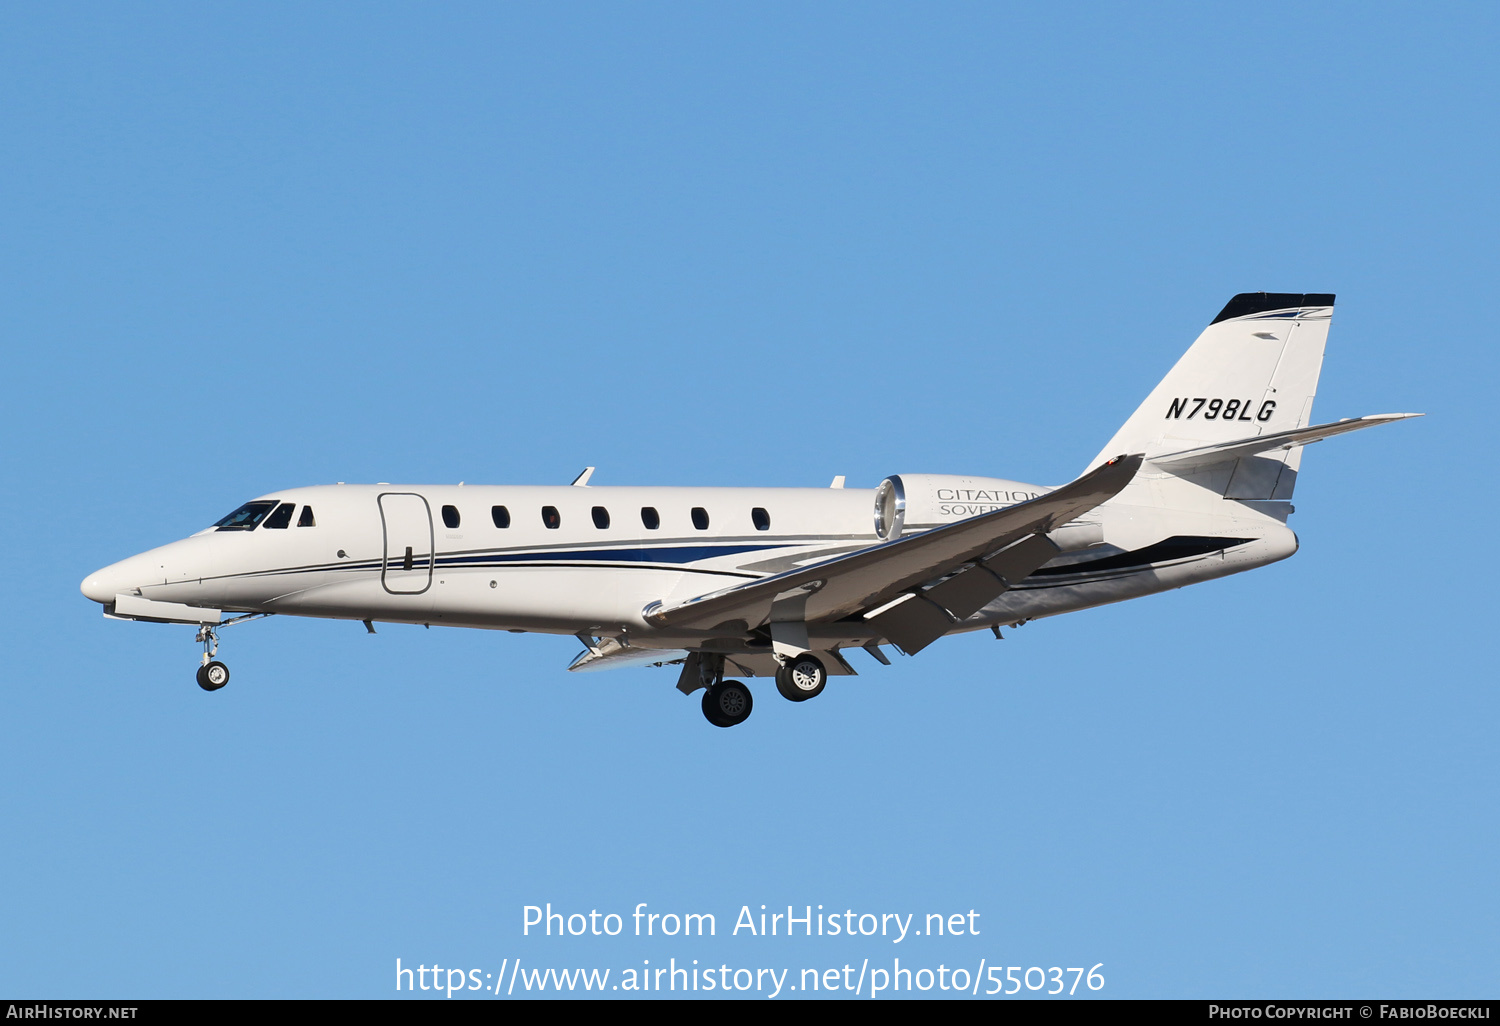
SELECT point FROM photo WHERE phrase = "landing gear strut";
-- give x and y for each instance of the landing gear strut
(212, 675)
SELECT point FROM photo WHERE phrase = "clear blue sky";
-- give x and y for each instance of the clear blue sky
(250, 247)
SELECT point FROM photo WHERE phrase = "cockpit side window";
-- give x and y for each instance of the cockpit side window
(247, 517)
(282, 518)
(306, 519)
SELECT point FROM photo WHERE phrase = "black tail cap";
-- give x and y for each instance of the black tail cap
(1247, 303)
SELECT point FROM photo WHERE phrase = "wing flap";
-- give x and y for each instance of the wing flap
(966, 592)
(875, 576)
(912, 623)
(1016, 562)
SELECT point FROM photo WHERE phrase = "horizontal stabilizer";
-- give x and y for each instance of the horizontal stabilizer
(1223, 452)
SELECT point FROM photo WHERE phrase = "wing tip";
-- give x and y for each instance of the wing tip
(1123, 463)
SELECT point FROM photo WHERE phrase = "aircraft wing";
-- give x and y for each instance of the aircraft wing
(979, 557)
(1225, 451)
(610, 654)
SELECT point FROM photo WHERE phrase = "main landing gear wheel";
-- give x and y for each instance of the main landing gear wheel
(727, 703)
(801, 678)
(213, 675)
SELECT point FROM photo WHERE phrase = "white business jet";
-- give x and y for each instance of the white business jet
(783, 582)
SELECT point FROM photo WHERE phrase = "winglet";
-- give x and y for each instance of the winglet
(582, 480)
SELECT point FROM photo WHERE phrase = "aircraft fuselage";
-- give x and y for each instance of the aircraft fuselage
(388, 553)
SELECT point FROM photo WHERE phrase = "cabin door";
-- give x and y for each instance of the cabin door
(407, 521)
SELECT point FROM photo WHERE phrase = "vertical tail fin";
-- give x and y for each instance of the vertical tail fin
(1253, 371)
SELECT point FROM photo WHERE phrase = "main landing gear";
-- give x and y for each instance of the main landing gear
(727, 703)
(801, 678)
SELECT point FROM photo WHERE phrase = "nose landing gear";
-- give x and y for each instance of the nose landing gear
(213, 675)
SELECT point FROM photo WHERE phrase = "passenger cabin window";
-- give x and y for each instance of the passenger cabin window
(247, 517)
(650, 517)
(700, 518)
(450, 517)
(551, 517)
(306, 519)
(601, 517)
(500, 515)
(761, 519)
(282, 518)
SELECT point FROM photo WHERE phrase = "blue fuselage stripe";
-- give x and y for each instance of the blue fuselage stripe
(675, 554)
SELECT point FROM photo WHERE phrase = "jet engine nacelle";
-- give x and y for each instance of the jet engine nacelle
(924, 501)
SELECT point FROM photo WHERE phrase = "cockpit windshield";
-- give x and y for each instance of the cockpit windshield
(247, 517)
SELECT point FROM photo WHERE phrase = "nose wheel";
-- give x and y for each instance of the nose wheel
(212, 675)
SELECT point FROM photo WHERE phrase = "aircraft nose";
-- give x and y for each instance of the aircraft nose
(176, 562)
(101, 585)
(125, 576)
